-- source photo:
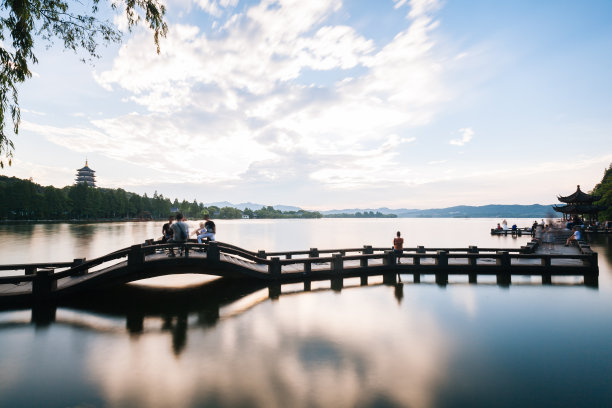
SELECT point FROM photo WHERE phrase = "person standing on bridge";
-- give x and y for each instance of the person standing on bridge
(398, 246)
(180, 233)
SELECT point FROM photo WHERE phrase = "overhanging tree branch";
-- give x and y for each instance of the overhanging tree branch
(24, 20)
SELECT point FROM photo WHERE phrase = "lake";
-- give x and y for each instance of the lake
(192, 341)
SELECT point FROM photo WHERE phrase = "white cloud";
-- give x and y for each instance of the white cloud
(215, 8)
(244, 93)
(466, 137)
(40, 173)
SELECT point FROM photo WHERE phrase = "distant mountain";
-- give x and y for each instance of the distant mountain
(463, 211)
(252, 206)
(459, 211)
(382, 210)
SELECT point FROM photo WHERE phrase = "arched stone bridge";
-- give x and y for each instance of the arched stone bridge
(48, 281)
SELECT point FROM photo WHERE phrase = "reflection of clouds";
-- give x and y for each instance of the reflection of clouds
(316, 349)
(466, 299)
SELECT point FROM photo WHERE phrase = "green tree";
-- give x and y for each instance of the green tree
(23, 21)
(230, 213)
(604, 189)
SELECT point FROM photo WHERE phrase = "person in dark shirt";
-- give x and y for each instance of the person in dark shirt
(167, 230)
(209, 230)
(180, 233)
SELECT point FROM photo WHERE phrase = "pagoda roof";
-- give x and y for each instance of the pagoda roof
(86, 168)
(579, 197)
(578, 208)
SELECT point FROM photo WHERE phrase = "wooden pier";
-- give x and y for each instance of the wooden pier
(518, 231)
(52, 281)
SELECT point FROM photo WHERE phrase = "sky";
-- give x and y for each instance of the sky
(330, 104)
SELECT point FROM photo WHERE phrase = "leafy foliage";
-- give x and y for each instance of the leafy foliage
(72, 23)
(26, 200)
(604, 189)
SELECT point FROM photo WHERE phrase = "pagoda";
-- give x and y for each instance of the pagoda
(578, 204)
(86, 175)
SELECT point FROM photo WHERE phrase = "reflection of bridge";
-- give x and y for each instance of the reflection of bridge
(43, 282)
(142, 310)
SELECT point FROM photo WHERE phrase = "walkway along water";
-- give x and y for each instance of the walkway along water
(43, 282)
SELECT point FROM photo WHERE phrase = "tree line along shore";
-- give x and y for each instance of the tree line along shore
(24, 200)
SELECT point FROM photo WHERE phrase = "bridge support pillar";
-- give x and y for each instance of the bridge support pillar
(504, 279)
(546, 279)
(134, 323)
(307, 286)
(472, 261)
(364, 280)
(313, 253)
(441, 279)
(136, 255)
(591, 280)
(43, 284)
(442, 258)
(367, 250)
(389, 259)
(43, 314)
(503, 259)
(212, 253)
(274, 290)
(472, 278)
(416, 278)
(337, 264)
(389, 278)
(274, 268)
(79, 261)
(337, 284)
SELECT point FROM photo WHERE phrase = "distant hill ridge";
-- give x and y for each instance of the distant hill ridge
(459, 211)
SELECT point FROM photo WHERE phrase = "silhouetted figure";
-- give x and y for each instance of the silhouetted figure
(167, 231)
(398, 247)
(180, 233)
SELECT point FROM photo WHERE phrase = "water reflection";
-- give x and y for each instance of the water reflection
(233, 343)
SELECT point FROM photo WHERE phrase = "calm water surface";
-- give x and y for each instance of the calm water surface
(222, 343)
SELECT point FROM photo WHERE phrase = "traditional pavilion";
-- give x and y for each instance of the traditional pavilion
(86, 175)
(579, 204)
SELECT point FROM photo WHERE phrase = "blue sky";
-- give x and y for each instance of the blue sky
(334, 104)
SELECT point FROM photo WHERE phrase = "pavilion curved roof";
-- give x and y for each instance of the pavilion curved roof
(578, 208)
(579, 197)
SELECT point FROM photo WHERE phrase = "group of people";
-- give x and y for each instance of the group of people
(504, 226)
(176, 230)
(545, 234)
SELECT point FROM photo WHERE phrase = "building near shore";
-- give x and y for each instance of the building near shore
(579, 204)
(86, 175)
